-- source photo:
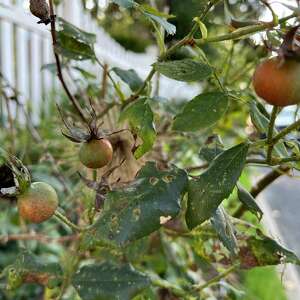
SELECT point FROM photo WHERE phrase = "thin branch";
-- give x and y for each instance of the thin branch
(4, 239)
(69, 223)
(58, 65)
(270, 133)
(245, 31)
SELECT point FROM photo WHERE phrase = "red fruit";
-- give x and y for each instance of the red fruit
(96, 154)
(277, 81)
(38, 203)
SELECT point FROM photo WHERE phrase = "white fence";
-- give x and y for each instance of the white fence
(26, 46)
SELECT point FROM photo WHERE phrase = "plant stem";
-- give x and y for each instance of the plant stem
(58, 65)
(245, 31)
(216, 279)
(270, 133)
(66, 221)
(286, 131)
(175, 289)
(116, 87)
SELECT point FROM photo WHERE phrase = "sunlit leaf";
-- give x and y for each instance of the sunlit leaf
(184, 70)
(202, 112)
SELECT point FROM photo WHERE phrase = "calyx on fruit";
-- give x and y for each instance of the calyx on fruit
(38, 203)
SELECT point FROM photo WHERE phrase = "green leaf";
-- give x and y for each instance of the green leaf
(213, 147)
(125, 3)
(153, 11)
(207, 192)
(261, 123)
(72, 48)
(170, 28)
(246, 198)
(140, 117)
(84, 73)
(224, 227)
(140, 208)
(184, 70)
(76, 33)
(202, 112)
(74, 43)
(263, 251)
(109, 282)
(130, 77)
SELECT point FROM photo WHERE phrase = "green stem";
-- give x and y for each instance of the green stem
(245, 31)
(286, 131)
(216, 279)
(175, 289)
(69, 223)
(116, 87)
(274, 161)
(270, 132)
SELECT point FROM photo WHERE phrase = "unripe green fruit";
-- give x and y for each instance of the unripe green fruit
(96, 154)
(277, 81)
(38, 203)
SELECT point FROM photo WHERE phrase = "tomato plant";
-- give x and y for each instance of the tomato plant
(156, 196)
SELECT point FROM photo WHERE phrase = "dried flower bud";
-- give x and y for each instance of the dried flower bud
(40, 9)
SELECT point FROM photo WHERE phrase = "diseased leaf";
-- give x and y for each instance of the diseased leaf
(202, 112)
(262, 124)
(130, 77)
(140, 208)
(223, 226)
(184, 70)
(140, 117)
(207, 192)
(29, 268)
(263, 251)
(246, 198)
(109, 282)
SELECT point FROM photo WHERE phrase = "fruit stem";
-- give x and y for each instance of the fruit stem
(271, 132)
(69, 223)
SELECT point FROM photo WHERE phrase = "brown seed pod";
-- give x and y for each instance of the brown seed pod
(40, 9)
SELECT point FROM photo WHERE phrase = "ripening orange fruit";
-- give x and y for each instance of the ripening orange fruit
(38, 203)
(277, 81)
